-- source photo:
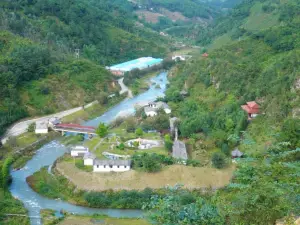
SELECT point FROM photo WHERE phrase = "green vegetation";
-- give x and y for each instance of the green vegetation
(39, 72)
(102, 130)
(259, 62)
(150, 162)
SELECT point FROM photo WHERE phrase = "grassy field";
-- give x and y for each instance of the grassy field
(80, 220)
(48, 218)
(190, 177)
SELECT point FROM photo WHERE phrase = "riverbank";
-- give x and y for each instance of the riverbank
(49, 218)
(50, 152)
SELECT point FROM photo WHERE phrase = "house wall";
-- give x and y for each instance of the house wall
(76, 153)
(41, 131)
(88, 162)
(151, 114)
(100, 168)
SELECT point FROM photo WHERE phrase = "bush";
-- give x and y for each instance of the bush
(102, 130)
(225, 149)
(139, 132)
(31, 127)
(168, 142)
(218, 160)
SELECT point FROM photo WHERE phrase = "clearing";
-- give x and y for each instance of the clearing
(79, 220)
(190, 177)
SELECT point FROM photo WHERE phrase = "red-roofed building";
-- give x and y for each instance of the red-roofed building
(205, 55)
(252, 108)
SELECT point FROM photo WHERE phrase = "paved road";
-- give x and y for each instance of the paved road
(21, 127)
(124, 88)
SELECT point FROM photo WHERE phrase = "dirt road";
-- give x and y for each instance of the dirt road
(124, 88)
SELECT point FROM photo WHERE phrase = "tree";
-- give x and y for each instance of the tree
(31, 127)
(218, 160)
(102, 130)
(121, 146)
(168, 142)
(139, 132)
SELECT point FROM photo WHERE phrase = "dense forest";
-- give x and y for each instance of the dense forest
(37, 44)
(256, 63)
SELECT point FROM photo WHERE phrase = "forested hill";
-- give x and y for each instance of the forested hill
(253, 55)
(39, 73)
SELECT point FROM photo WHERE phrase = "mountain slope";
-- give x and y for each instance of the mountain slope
(39, 71)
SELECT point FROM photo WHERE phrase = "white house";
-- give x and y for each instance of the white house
(112, 165)
(79, 151)
(153, 107)
(41, 127)
(88, 159)
(150, 111)
(178, 58)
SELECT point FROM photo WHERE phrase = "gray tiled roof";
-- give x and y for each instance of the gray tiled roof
(113, 162)
(179, 150)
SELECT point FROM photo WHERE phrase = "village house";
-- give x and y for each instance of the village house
(79, 151)
(112, 165)
(153, 108)
(178, 58)
(236, 153)
(54, 121)
(205, 55)
(41, 127)
(252, 108)
(88, 159)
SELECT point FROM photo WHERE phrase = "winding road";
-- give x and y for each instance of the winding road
(124, 88)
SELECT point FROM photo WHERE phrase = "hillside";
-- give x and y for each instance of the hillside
(180, 19)
(259, 61)
(39, 72)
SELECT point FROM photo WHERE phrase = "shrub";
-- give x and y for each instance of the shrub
(139, 132)
(218, 160)
(31, 127)
(102, 130)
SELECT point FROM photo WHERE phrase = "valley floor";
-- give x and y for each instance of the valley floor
(190, 177)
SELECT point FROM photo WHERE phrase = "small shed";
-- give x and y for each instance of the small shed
(205, 55)
(41, 127)
(252, 108)
(112, 165)
(184, 93)
(179, 151)
(88, 159)
(236, 153)
(79, 151)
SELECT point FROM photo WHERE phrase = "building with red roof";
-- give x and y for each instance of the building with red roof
(252, 108)
(205, 55)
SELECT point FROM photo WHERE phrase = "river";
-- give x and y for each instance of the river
(47, 154)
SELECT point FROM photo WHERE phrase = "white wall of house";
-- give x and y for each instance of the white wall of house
(41, 131)
(88, 162)
(76, 153)
(253, 115)
(151, 113)
(107, 168)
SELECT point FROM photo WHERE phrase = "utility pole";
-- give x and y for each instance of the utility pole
(77, 53)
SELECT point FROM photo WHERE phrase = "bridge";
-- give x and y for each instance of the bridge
(75, 128)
